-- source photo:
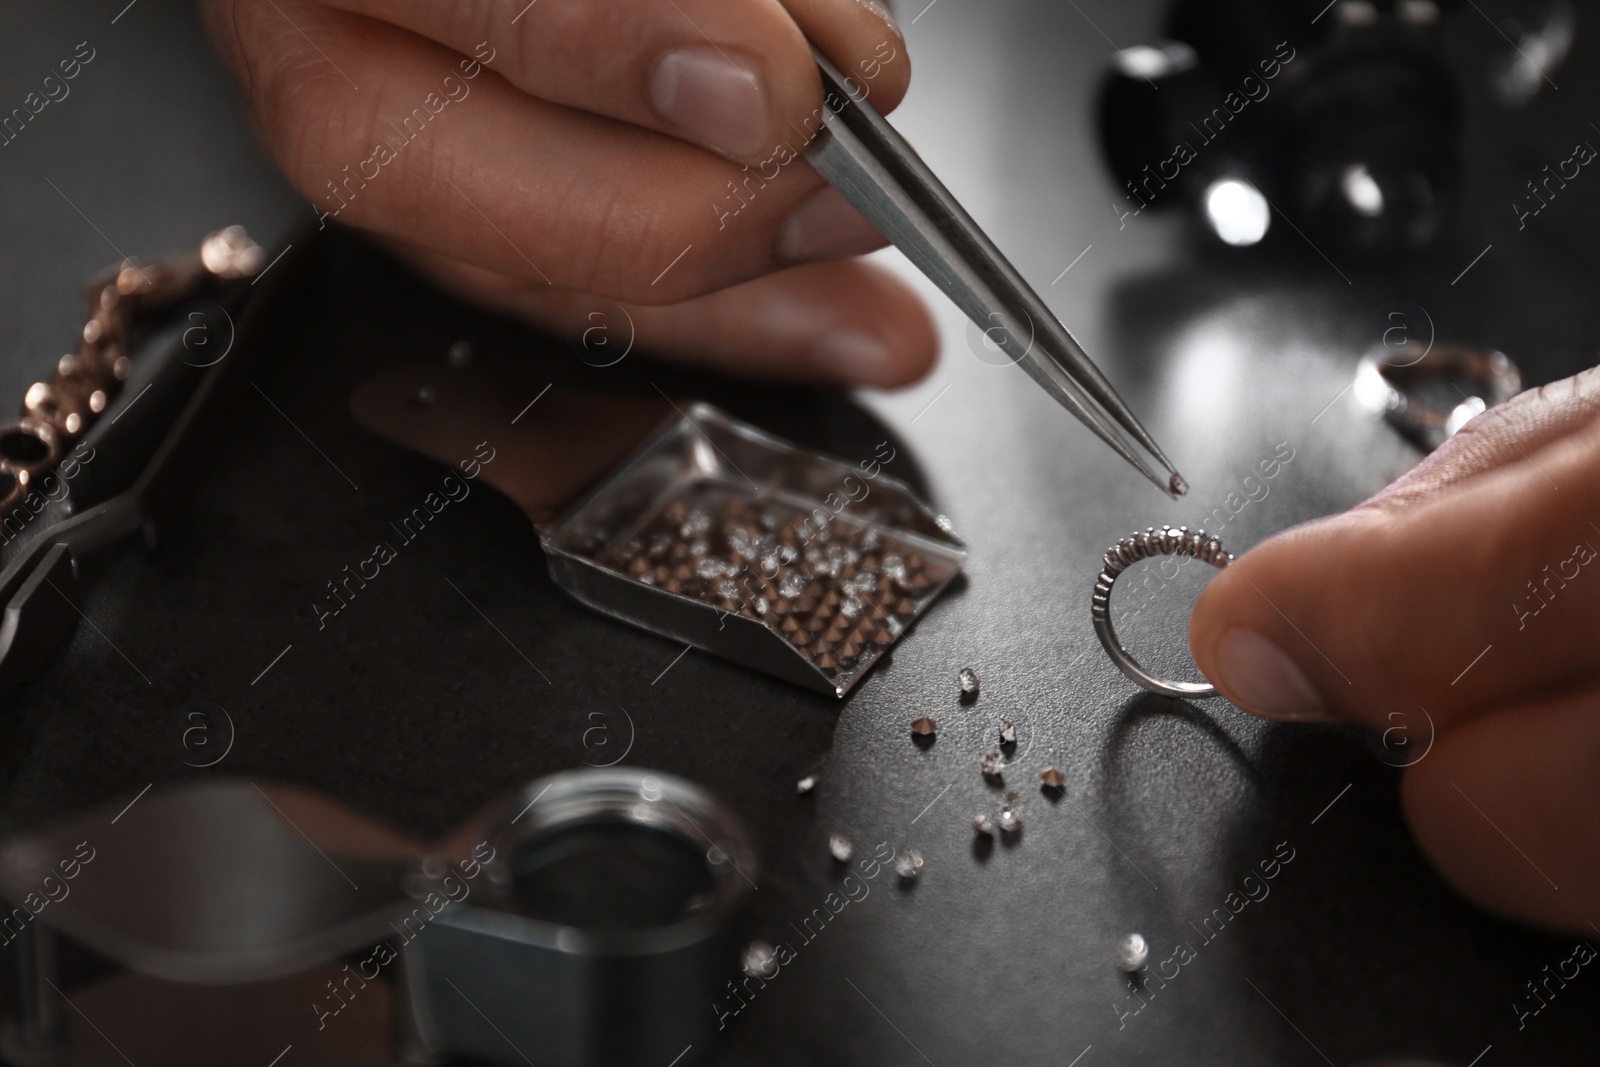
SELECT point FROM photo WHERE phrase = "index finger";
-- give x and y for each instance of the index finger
(735, 76)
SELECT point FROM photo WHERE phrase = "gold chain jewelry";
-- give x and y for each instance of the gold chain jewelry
(55, 414)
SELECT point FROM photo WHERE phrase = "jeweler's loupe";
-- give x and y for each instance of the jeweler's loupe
(613, 897)
(587, 920)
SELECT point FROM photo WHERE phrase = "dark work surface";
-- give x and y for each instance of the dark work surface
(411, 707)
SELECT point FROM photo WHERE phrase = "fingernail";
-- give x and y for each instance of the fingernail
(884, 9)
(825, 226)
(1260, 676)
(713, 96)
(852, 355)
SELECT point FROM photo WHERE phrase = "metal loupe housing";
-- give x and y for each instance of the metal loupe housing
(559, 991)
(588, 919)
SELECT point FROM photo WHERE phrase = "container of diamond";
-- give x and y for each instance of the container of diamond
(694, 525)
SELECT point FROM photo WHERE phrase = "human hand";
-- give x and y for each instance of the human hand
(560, 160)
(1468, 589)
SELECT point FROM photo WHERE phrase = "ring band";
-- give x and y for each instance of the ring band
(1166, 541)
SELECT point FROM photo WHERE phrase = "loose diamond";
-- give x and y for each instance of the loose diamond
(806, 784)
(743, 543)
(1008, 732)
(908, 863)
(839, 847)
(982, 824)
(1011, 813)
(1052, 778)
(969, 681)
(1132, 952)
(711, 567)
(924, 727)
(992, 763)
(792, 584)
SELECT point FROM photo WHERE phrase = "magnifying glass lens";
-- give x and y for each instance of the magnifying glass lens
(610, 876)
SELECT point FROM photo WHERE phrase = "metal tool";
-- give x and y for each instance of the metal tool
(882, 177)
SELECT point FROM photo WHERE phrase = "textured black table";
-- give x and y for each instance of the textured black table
(411, 707)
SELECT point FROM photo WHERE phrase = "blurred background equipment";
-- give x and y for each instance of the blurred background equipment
(1351, 132)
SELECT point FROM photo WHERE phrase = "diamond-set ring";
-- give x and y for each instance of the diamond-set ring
(1153, 541)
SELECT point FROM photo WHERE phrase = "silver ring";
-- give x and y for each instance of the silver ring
(1165, 541)
(1395, 384)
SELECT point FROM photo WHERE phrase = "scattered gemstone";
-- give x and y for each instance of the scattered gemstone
(806, 784)
(1011, 813)
(1132, 952)
(924, 727)
(760, 961)
(992, 763)
(969, 681)
(908, 863)
(982, 824)
(839, 847)
(1008, 732)
(1052, 778)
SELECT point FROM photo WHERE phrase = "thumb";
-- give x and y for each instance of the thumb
(1452, 600)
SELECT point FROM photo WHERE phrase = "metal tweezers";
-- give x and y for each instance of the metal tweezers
(882, 177)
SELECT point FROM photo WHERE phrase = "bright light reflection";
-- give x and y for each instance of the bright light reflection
(1464, 413)
(1237, 212)
(1361, 189)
